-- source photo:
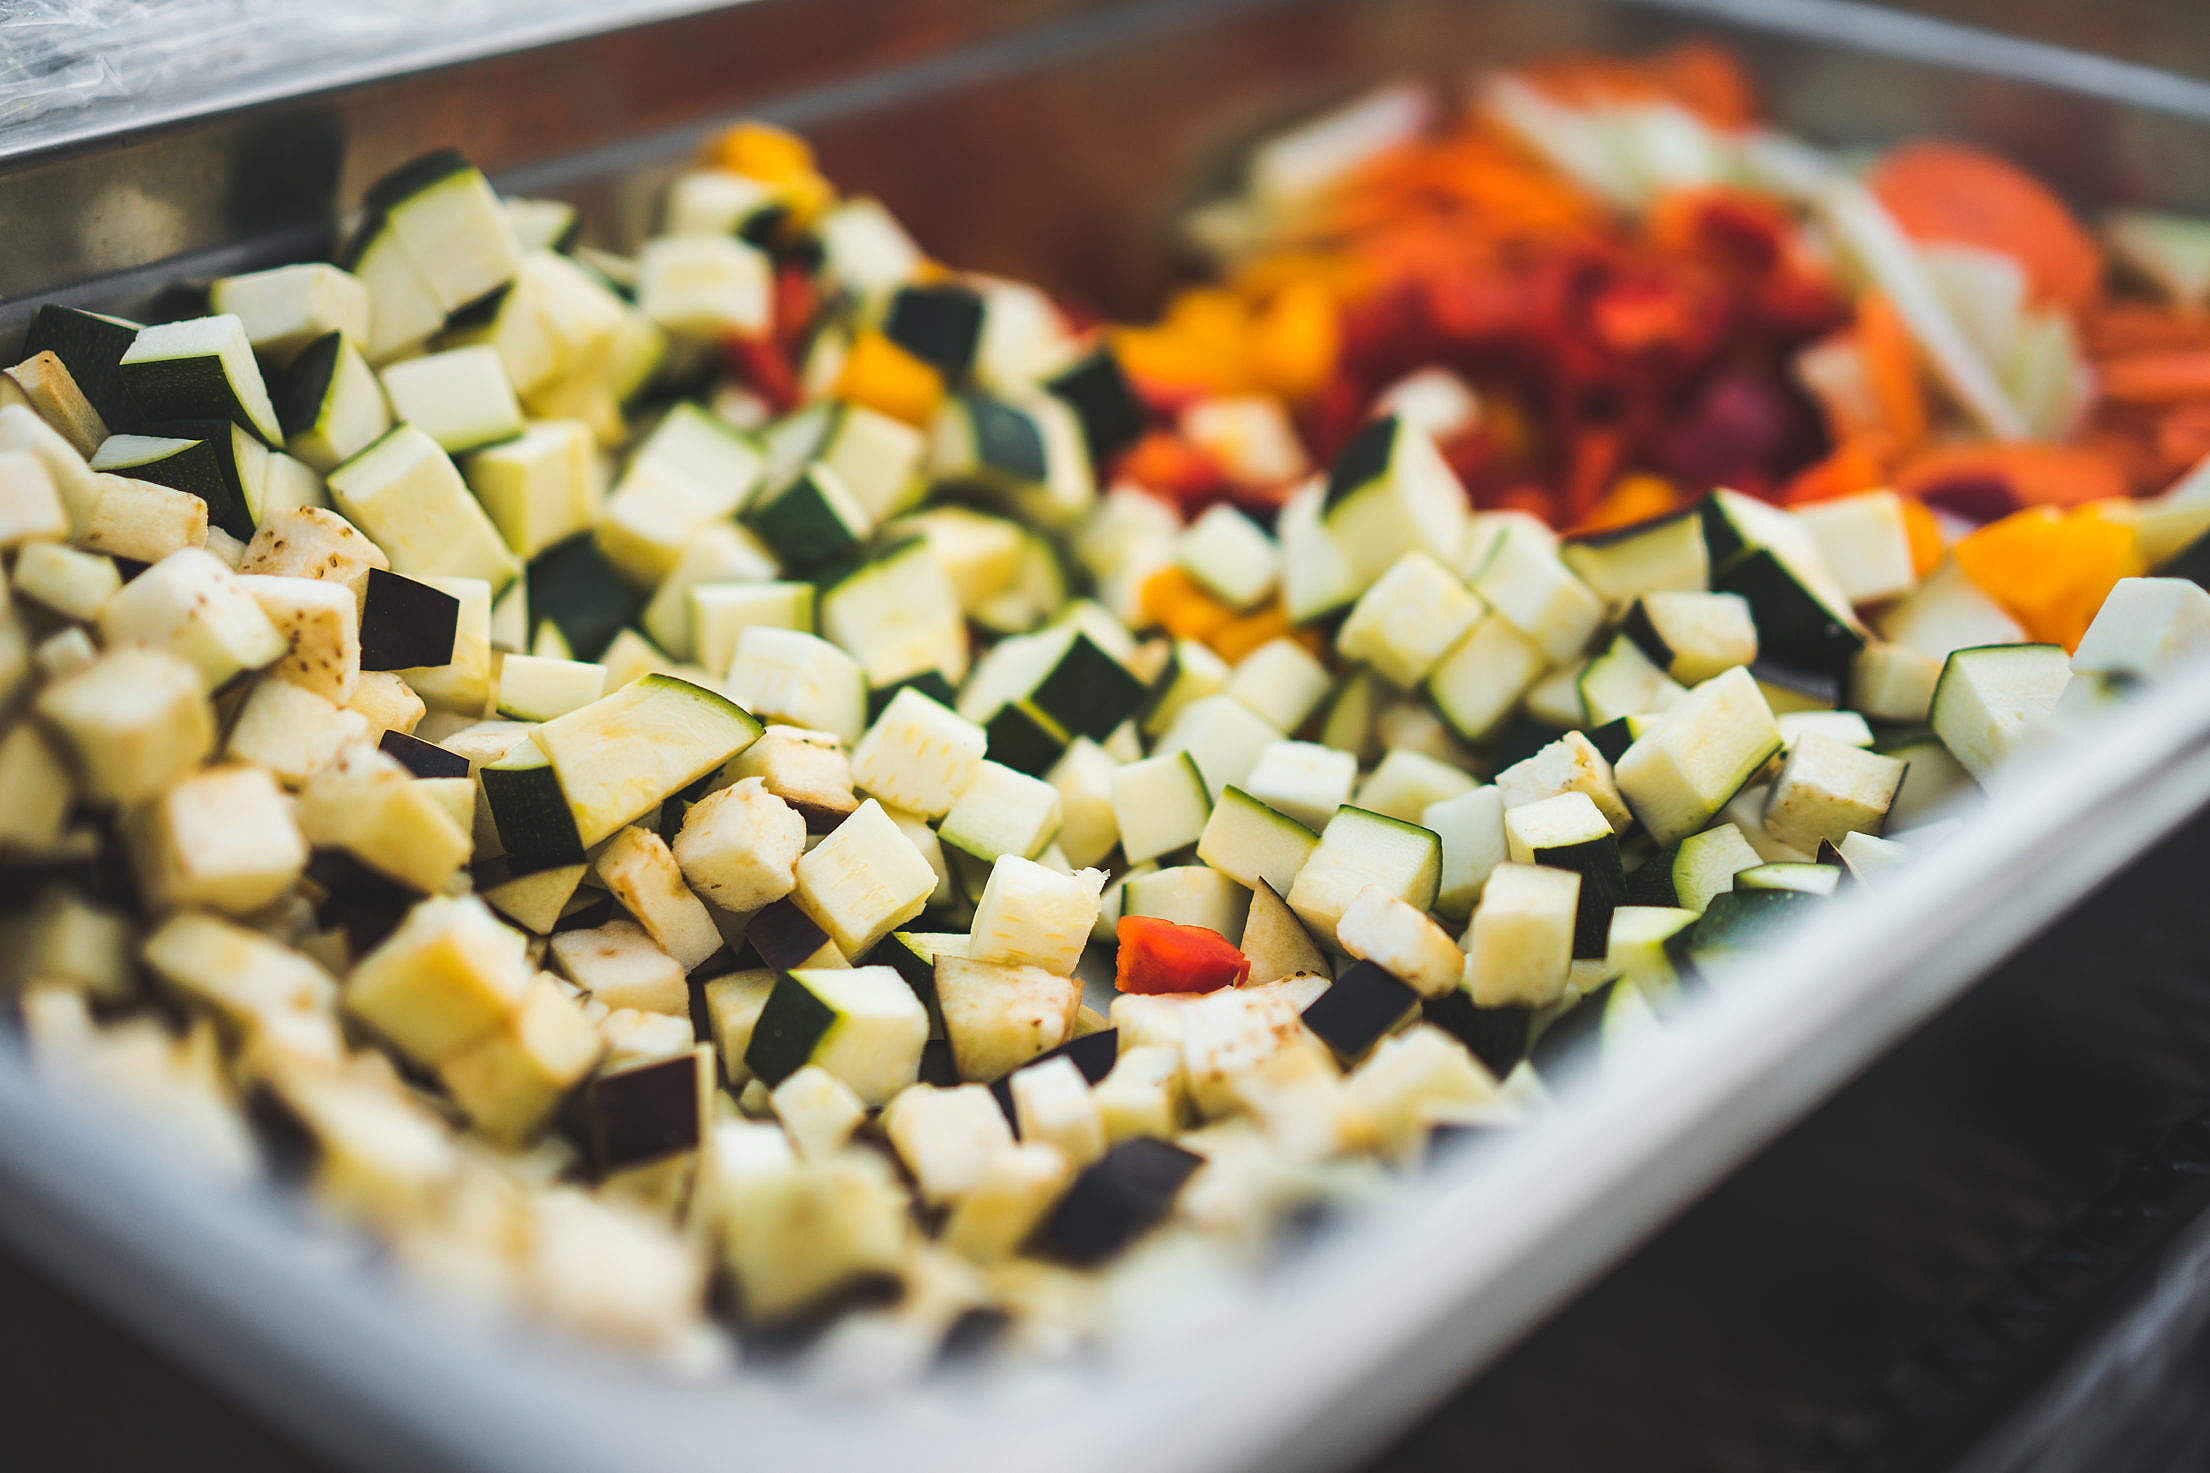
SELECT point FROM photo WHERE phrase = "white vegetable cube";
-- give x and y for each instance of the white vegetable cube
(192, 605)
(1864, 543)
(1704, 633)
(460, 398)
(287, 307)
(1524, 580)
(1358, 849)
(1159, 805)
(321, 623)
(783, 675)
(1570, 764)
(1250, 436)
(715, 202)
(135, 720)
(1413, 1078)
(1017, 1187)
(1829, 789)
(1714, 740)
(1052, 1102)
(36, 789)
(620, 965)
(1226, 1035)
(1223, 736)
(1032, 916)
(240, 974)
(998, 1017)
(919, 755)
(719, 613)
(1377, 927)
(946, 1137)
(1946, 613)
(1989, 701)
(739, 846)
(509, 1081)
(1406, 782)
(1143, 1093)
(1089, 826)
(863, 881)
(1281, 681)
(73, 583)
(806, 769)
(1253, 844)
(450, 974)
(541, 487)
(1893, 682)
(2146, 627)
(1305, 780)
(1229, 554)
(1001, 811)
(719, 552)
(795, 1237)
(818, 1110)
(641, 873)
(1519, 948)
(1484, 676)
(405, 493)
(1408, 620)
(30, 507)
(292, 731)
(223, 838)
(313, 542)
(653, 512)
(704, 285)
(386, 819)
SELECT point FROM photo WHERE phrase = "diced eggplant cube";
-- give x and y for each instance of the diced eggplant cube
(1116, 1200)
(1361, 1006)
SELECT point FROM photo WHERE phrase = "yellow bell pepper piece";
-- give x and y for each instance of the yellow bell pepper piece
(2051, 569)
(883, 376)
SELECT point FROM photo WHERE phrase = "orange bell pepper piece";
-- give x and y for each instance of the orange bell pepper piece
(1635, 497)
(1924, 530)
(2050, 569)
(885, 377)
(1293, 341)
(1178, 604)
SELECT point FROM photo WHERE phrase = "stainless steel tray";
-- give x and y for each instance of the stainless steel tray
(1055, 140)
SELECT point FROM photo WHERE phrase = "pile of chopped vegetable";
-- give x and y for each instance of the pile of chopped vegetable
(767, 784)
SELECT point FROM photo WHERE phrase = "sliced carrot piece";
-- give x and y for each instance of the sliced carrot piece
(2159, 376)
(1857, 464)
(2014, 473)
(1924, 530)
(1635, 497)
(1939, 190)
(1892, 370)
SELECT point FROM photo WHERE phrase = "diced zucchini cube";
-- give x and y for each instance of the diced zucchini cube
(1483, 677)
(375, 811)
(998, 1017)
(1569, 832)
(1223, 736)
(1230, 555)
(1307, 781)
(1089, 825)
(243, 976)
(1990, 700)
(1377, 927)
(1282, 681)
(1408, 620)
(705, 285)
(1160, 804)
(223, 838)
(406, 494)
(947, 1138)
(1032, 916)
(287, 307)
(1828, 790)
(1253, 844)
(451, 973)
(1358, 849)
(1519, 948)
(1407, 783)
(863, 881)
(1571, 764)
(1864, 543)
(899, 616)
(1052, 1102)
(864, 1025)
(1001, 811)
(1471, 828)
(539, 488)
(461, 398)
(1677, 778)
(2146, 627)
(135, 720)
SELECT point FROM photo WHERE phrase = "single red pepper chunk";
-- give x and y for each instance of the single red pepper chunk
(765, 368)
(1162, 956)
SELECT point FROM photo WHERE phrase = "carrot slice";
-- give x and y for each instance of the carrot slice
(1946, 191)
(1923, 529)
(2005, 475)
(2161, 376)
(1892, 370)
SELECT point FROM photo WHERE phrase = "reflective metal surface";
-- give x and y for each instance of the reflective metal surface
(1055, 140)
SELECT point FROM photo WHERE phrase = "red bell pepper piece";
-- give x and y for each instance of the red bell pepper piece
(1162, 956)
(763, 366)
